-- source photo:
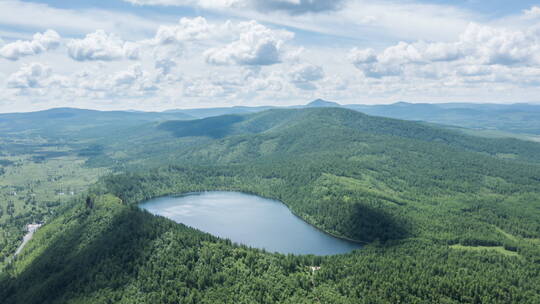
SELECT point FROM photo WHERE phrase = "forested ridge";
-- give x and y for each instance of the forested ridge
(446, 218)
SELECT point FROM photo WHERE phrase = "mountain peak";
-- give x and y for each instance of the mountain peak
(322, 103)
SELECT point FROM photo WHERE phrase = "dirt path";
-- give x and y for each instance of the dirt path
(31, 228)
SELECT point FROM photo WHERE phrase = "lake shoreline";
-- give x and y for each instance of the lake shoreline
(240, 214)
(265, 197)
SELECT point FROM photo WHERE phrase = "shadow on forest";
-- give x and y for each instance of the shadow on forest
(113, 258)
(368, 224)
(63, 269)
(214, 127)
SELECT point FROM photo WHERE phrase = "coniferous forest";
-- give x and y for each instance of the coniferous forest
(443, 217)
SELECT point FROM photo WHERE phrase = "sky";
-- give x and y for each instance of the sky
(154, 55)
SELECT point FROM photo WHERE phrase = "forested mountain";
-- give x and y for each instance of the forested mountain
(514, 118)
(209, 112)
(234, 137)
(78, 123)
(445, 217)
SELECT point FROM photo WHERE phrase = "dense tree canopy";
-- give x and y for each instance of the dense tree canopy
(445, 218)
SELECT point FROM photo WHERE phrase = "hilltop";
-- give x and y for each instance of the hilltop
(428, 201)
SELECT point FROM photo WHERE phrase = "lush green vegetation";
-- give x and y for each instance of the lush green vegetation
(32, 188)
(214, 127)
(445, 217)
(116, 253)
(510, 118)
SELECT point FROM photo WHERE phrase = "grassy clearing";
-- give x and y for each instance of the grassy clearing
(500, 134)
(499, 249)
(30, 191)
(29, 186)
(534, 241)
(506, 234)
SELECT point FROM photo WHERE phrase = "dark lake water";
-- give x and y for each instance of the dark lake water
(250, 220)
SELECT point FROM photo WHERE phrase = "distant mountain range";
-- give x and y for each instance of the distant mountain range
(514, 118)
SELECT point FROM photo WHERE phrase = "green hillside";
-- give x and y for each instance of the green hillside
(60, 123)
(513, 118)
(445, 217)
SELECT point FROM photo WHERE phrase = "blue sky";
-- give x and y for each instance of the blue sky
(490, 8)
(162, 54)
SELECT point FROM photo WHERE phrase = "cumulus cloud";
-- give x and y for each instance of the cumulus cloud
(133, 81)
(490, 45)
(187, 29)
(201, 87)
(440, 51)
(477, 45)
(257, 45)
(367, 61)
(203, 61)
(129, 76)
(164, 66)
(401, 53)
(40, 43)
(271, 83)
(102, 46)
(532, 13)
(304, 75)
(163, 59)
(31, 75)
(474, 70)
(234, 43)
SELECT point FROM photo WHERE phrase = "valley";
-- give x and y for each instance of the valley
(442, 216)
(269, 152)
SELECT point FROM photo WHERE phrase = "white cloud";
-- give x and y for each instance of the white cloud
(257, 45)
(474, 70)
(304, 75)
(477, 45)
(202, 88)
(271, 83)
(165, 65)
(374, 22)
(134, 78)
(441, 51)
(363, 56)
(129, 76)
(370, 64)
(187, 29)
(131, 82)
(491, 45)
(335, 83)
(102, 46)
(204, 62)
(532, 13)
(31, 75)
(40, 43)
(400, 53)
